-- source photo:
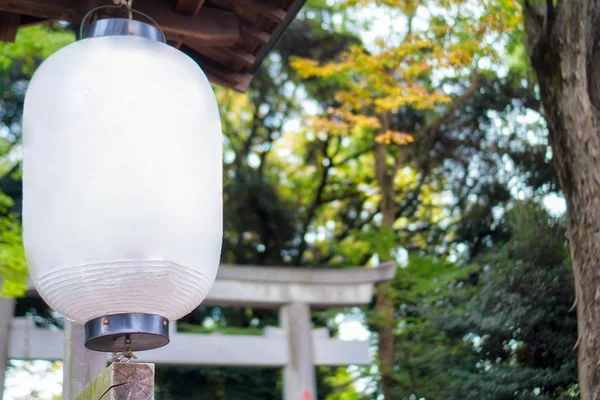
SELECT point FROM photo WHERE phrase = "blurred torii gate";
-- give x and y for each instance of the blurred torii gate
(295, 345)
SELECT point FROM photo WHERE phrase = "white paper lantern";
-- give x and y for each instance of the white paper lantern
(122, 180)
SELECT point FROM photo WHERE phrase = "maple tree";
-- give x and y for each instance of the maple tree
(431, 69)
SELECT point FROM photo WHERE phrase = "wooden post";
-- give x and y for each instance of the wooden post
(299, 381)
(9, 24)
(7, 308)
(81, 366)
(122, 381)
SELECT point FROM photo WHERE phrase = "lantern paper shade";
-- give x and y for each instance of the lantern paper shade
(122, 180)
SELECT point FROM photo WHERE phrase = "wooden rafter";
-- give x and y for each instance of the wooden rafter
(175, 43)
(220, 59)
(65, 10)
(273, 13)
(251, 32)
(211, 26)
(240, 55)
(228, 53)
(228, 38)
(189, 7)
(219, 74)
(239, 82)
(9, 24)
(27, 20)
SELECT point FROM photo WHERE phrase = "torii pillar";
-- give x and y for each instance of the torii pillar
(299, 381)
(7, 307)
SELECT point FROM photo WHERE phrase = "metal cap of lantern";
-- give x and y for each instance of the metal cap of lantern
(121, 26)
(169, 264)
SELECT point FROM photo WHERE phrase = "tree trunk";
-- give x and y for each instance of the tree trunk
(562, 41)
(385, 338)
(383, 292)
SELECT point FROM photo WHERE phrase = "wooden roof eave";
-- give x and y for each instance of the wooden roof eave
(228, 38)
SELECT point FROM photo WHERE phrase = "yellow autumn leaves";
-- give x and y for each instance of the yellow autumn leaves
(338, 121)
(389, 137)
(420, 70)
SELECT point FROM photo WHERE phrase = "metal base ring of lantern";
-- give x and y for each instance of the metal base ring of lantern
(126, 332)
(124, 111)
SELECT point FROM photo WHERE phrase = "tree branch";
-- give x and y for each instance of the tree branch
(344, 196)
(429, 131)
(534, 16)
(354, 155)
(413, 201)
(314, 205)
(550, 16)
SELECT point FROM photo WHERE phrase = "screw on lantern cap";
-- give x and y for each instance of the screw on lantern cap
(126, 332)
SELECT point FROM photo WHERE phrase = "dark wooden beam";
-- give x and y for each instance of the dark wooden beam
(9, 24)
(225, 54)
(219, 74)
(220, 58)
(175, 43)
(27, 20)
(254, 34)
(189, 7)
(240, 55)
(273, 13)
(67, 10)
(237, 82)
(211, 26)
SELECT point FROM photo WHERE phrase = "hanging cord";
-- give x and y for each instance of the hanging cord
(126, 4)
(120, 4)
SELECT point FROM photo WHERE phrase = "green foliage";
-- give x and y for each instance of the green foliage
(336, 384)
(521, 322)
(32, 45)
(179, 383)
(18, 61)
(13, 268)
(230, 330)
(427, 280)
(501, 328)
(424, 354)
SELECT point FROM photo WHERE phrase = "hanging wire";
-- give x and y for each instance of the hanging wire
(127, 4)
(126, 355)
